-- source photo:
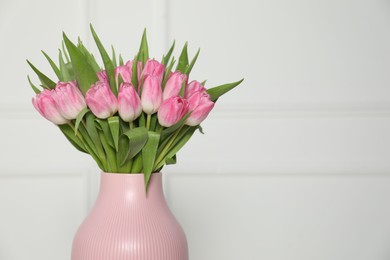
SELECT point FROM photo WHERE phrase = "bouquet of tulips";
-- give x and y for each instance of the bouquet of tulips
(132, 117)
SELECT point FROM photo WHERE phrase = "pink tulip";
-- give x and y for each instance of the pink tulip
(173, 85)
(129, 103)
(200, 104)
(125, 71)
(101, 100)
(69, 99)
(46, 105)
(172, 110)
(193, 87)
(139, 68)
(151, 97)
(154, 68)
(102, 76)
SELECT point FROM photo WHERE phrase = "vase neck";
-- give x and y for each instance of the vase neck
(130, 187)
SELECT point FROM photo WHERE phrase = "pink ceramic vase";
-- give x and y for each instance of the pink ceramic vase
(126, 223)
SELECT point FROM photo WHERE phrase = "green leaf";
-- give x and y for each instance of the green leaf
(72, 138)
(167, 57)
(46, 82)
(53, 66)
(113, 123)
(172, 160)
(120, 60)
(90, 147)
(110, 153)
(108, 65)
(143, 49)
(79, 118)
(137, 140)
(183, 137)
(183, 59)
(149, 155)
(124, 165)
(94, 135)
(91, 59)
(166, 132)
(134, 71)
(191, 65)
(113, 56)
(65, 74)
(120, 80)
(103, 125)
(168, 72)
(84, 73)
(36, 90)
(216, 92)
(65, 52)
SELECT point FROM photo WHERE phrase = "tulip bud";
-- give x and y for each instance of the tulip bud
(193, 87)
(129, 103)
(154, 68)
(200, 104)
(102, 76)
(125, 71)
(139, 68)
(101, 100)
(46, 105)
(69, 99)
(173, 85)
(151, 97)
(172, 110)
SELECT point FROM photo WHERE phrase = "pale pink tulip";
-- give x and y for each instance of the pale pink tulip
(46, 105)
(174, 84)
(200, 104)
(193, 87)
(69, 99)
(125, 71)
(151, 97)
(129, 103)
(154, 68)
(101, 100)
(172, 110)
(102, 76)
(139, 68)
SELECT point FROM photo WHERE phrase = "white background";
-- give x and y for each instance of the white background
(294, 163)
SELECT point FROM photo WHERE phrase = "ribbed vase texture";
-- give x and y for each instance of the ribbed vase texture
(126, 223)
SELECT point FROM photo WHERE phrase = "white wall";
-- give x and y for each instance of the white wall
(294, 163)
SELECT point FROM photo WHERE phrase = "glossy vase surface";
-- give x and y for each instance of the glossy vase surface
(126, 223)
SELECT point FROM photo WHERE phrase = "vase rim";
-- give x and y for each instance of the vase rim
(125, 174)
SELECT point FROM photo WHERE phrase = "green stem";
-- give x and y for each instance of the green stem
(110, 154)
(148, 121)
(131, 124)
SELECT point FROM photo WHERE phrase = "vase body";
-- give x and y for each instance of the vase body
(126, 223)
